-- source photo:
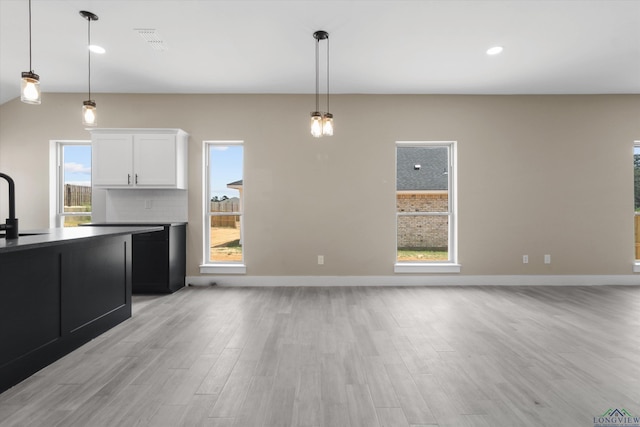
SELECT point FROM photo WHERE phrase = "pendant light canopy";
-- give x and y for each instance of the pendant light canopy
(321, 122)
(89, 113)
(30, 85)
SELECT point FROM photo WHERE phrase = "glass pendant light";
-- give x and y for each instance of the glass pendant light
(30, 88)
(89, 112)
(327, 118)
(327, 124)
(89, 117)
(30, 84)
(316, 124)
(321, 122)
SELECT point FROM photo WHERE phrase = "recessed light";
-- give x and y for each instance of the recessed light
(495, 50)
(96, 49)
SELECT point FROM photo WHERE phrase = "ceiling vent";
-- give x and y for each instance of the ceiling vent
(151, 37)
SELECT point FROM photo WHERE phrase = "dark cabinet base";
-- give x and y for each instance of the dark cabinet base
(54, 299)
(159, 257)
(159, 260)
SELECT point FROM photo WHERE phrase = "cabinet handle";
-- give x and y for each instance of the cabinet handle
(136, 179)
(128, 179)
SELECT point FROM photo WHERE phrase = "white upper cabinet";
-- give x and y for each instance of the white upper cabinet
(139, 158)
(112, 158)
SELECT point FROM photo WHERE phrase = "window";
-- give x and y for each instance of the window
(636, 194)
(224, 206)
(73, 178)
(425, 207)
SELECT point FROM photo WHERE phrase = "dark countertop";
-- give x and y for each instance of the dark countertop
(57, 236)
(132, 224)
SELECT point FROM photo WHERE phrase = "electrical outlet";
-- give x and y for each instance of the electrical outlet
(320, 259)
(525, 259)
(148, 204)
(547, 259)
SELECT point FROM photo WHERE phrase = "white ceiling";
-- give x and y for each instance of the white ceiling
(376, 46)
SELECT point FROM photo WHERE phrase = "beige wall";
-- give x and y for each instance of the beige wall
(537, 174)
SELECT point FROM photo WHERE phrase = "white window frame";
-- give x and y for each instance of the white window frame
(211, 267)
(452, 265)
(56, 180)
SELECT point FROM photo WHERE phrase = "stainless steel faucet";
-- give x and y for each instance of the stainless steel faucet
(11, 226)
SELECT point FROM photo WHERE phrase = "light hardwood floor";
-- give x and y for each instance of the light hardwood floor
(348, 357)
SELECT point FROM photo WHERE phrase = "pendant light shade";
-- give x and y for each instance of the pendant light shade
(89, 112)
(321, 122)
(30, 88)
(316, 124)
(89, 117)
(327, 124)
(30, 85)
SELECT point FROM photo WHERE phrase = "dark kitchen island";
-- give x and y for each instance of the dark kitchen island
(60, 288)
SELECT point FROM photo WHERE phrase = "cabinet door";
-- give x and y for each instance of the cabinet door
(154, 160)
(113, 160)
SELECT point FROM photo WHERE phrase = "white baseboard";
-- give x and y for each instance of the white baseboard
(500, 280)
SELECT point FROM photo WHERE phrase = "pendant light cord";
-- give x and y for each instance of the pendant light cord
(327, 73)
(30, 65)
(89, 50)
(317, 75)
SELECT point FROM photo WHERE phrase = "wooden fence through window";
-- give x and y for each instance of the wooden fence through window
(225, 221)
(77, 195)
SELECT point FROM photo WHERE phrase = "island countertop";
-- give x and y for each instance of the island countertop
(56, 236)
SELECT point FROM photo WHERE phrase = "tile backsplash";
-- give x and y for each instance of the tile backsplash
(146, 205)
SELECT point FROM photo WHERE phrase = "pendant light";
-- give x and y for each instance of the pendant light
(321, 122)
(30, 85)
(89, 116)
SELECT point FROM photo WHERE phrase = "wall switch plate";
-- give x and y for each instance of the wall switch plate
(320, 259)
(547, 259)
(525, 259)
(148, 204)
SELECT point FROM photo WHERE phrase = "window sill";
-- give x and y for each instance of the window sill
(426, 268)
(223, 269)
